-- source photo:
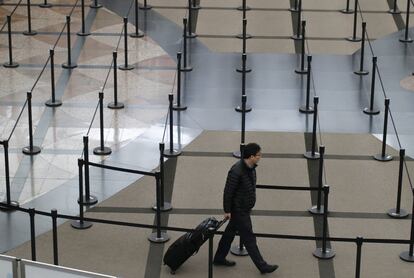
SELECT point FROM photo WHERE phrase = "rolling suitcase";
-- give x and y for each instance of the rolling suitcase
(189, 243)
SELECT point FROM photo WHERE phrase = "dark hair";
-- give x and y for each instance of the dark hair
(251, 149)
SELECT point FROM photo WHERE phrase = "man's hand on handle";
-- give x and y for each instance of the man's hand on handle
(227, 216)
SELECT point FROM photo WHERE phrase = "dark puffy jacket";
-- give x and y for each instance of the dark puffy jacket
(240, 189)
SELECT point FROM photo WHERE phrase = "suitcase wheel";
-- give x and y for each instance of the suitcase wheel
(172, 272)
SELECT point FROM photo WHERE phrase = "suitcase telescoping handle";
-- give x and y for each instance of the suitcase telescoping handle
(221, 223)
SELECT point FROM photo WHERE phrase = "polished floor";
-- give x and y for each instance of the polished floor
(211, 91)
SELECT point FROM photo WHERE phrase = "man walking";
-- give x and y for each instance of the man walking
(238, 201)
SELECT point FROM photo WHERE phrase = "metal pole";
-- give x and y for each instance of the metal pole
(347, 10)
(137, 33)
(178, 106)
(407, 22)
(190, 21)
(101, 150)
(29, 31)
(298, 36)
(55, 239)
(238, 154)
(52, 102)
(185, 67)
(158, 236)
(359, 241)
(210, 252)
(126, 66)
(302, 69)
(10, 64)
(80, 224)
(361, 70)
(319, 209)
(408, 256)
(83, 29)
(115, 104)
(69, 64)
(307, 109)
(383, 156)
(248, 108)
(394, 9)
(30, 150)
(32, 233)
(313, 154)
(370, 110)
(171, 152)
(7, 172)
(295, 7)
(397, 212)
(354, 38)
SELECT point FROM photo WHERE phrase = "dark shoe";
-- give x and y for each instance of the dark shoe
(225, 263)
(269, 268)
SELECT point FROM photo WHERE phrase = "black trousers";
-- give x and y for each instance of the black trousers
(242, 223)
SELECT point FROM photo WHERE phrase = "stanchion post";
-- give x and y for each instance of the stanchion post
(191, 34)
(69, 64)
(319, 208)
(210, 252)
(302, 69)
(238, 154)
(29, 31)
(195, 5)
(95, 5)
(10, 64)
(88, 199)
(243, 67)
(243, 8)
(178, 106)
(408, 256)
(185, 66)
(45, 4)
(10, 204)
(295, 7)
(146, 6)
(298, 36)
(359, 241)
(370, 110)
(158, 236)
(397, 212)
(115, 104)
(165, 206)
(361, 70)
(137, 33)
(125, 66)
(247, 107)
(307, 109)
(347, 10)
(312, 154)
(394, 9)
(101, 150)
(30, 150)
(80, 224)
(406, 38)
(324, 252)
(244, 36)
(383, 156)
(55, 238)
(83, 32)
(239, 249)
(171, 152)
(354, 37)
(32, 233)
(52, 102)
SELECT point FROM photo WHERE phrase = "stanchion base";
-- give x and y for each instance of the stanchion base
(118, 105)
(186, 69)
(301, 71)
(246, 70)
(45, 5)
(294, 10)
(83, 34)
(11, 207)
(393, 213)
(147, 7)
(384, 158)
(406, 40)
(179, 108)
(88, 202)
(240, 8)
(77, 224)
(405, 256)
(93, 6)
(192, 35)
(306, 110)
(164, 238)
(371, 112)
(296, 37)
(329, 254)
(352, 39)
(31, 151)
(173, 153)
(247, 110)
(51, 103)
(126, 67)
(237, 251)
(361, 72)
(240, 36)
(12, 65)
(314, 210)
(104, 151)
(166, 207)
(31, 33)
(345, 11)
(236, 154)
(309, 155)
(139, 35)
(197, 7)
(392, 11)
(67, 66)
